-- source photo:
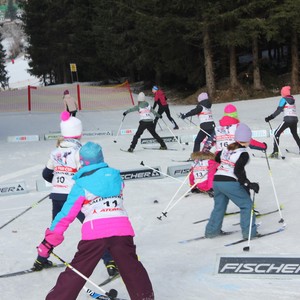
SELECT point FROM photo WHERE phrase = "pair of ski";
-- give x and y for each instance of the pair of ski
(279, 156)
(148, 148)
(92, 294)
(231, 232)
(257, 214)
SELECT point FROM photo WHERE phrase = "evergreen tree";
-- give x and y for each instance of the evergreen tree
(36, 28)
(11, 11)
(3, 73)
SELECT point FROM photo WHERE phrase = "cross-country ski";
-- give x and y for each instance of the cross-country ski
(257, 237)
(31, 270)
(224, 233)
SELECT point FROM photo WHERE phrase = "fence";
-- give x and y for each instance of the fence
(49, 99)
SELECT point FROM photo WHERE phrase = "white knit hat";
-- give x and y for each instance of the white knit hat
(141, 97)
(70, 127)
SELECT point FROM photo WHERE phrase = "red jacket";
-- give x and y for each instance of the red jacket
(160, 98)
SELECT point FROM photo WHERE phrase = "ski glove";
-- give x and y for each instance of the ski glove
(124, 113)
(53, 238)
(182, 116)
(44, 249)
(254, 186)
(269, 118)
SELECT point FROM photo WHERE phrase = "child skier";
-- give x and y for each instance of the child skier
(163, 107)
(146, 122)
(70, 103)
(231, 183)
(202, 172)
(207, 124)
(98, 193)
(290, 120)
(63, 164)
(224, 133)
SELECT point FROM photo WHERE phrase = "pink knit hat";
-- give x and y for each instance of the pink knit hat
(230, 111)
(286, 91)
(202, 96)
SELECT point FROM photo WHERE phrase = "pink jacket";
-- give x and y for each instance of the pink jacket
(203, 170)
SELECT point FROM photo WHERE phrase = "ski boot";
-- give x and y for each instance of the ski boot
(112, 269)
(274, 155)
(41, 264)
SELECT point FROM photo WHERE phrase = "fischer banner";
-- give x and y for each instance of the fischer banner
(13, 188)
(142, 173)
(260, 265)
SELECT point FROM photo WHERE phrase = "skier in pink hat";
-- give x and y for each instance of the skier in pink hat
(286, 105)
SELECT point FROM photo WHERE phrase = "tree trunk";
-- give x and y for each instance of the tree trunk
(208, 63)
(256, 72)
(295, 62)
(233, 68)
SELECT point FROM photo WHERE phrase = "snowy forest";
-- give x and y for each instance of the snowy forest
(187, 44)
(243, 45)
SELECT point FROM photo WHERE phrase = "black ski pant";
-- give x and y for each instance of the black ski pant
(133, 273)
(281, 128)
(164, 109)
(151, 128)
(207, 129)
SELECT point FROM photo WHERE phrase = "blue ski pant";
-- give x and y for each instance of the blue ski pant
(234, 191)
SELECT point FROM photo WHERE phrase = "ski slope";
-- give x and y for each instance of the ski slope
(177, 271)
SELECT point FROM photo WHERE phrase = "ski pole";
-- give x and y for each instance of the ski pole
(247, 248)
(276, 142)
(275, 193)
(95, 295)
(172, 206)
(191, 122)
(173, 135)
(119, 129)
(111, 294)
(159, 126)
(200, 128)
(142, 163)
(27, 209)
(184, 120)
(164, 212)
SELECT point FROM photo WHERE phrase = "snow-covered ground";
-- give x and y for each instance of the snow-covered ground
(17, 69)
(177, 271)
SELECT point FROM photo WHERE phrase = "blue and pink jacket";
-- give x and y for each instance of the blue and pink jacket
(97, 192)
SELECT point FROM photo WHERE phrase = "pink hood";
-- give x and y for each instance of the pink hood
(226, 121)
